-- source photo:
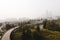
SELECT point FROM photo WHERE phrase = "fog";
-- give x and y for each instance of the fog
(29, 8)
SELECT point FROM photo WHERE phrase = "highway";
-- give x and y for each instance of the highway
(6, 36)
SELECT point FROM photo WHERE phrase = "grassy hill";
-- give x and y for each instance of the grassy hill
(50, 32)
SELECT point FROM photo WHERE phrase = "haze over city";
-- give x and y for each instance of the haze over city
(28, 8)
(29, 19)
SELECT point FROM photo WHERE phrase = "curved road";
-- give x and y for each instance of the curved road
(6, 36)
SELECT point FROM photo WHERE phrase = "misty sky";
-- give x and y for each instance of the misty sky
(28, 8)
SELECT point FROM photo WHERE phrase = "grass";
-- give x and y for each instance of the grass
(50, 35)
(44, 34)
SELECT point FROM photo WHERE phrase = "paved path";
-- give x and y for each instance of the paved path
(6, 36)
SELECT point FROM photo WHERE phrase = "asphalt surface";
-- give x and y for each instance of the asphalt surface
(6, 36)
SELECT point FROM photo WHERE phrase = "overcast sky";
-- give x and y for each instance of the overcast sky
(28, 8)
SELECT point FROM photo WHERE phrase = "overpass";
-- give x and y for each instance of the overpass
(6, 36)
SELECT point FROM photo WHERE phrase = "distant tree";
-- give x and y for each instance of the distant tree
(26, 33)
(38, 28)
(8, 26)
(51, 25)
(44, 23)
(19, 29)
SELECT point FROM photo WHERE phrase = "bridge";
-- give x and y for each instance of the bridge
(6, 36)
